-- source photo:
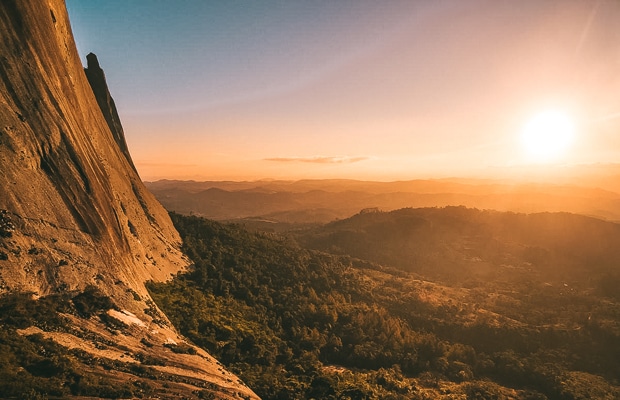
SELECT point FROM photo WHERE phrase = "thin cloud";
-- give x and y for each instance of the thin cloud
(320, 159)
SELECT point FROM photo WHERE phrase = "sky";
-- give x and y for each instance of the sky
(389, 90)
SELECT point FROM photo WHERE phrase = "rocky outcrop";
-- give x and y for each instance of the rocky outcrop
(81, 214)
(96, 79)
(74, 213)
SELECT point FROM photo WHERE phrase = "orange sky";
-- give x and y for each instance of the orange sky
(364, 90)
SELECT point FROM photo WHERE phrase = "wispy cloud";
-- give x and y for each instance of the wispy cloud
(320, 159)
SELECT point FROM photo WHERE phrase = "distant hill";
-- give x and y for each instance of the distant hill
(320, 201)
(456, 244)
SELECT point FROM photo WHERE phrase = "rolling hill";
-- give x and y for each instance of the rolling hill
(277, 204)
(484, 314)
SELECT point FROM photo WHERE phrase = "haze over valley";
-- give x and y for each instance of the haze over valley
(278, 203)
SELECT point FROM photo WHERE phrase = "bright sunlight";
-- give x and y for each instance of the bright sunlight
(547, 136)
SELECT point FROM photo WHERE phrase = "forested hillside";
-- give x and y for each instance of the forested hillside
(298, 323)
(458, 245)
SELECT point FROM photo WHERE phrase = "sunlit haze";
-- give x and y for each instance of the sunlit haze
(213, 90)
(547, 136)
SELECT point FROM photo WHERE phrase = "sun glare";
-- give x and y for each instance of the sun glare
(547, 136)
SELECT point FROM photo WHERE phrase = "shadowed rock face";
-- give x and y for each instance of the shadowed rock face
(74, 213)
(96, 79)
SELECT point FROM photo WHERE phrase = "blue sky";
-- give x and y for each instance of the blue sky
(352, 89)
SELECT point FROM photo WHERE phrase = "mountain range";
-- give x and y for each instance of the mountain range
(281, 203)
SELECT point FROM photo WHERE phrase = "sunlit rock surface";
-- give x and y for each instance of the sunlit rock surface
(74, 212)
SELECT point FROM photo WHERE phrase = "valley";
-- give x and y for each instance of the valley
(409, 304)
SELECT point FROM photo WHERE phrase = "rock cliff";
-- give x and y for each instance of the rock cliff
(74, 214)
(80, 212)
(97, 81)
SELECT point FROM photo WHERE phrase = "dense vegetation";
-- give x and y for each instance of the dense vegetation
(455, 244)
(297, 323)
(33, 367)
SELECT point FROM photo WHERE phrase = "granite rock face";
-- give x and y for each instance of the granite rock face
(97, 81)
(74, 214)
(80, 212)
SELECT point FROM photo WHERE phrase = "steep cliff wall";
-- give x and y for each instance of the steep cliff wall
(78, 226)
(79, 211)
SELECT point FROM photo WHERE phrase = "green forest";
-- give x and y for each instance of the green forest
(412, 304)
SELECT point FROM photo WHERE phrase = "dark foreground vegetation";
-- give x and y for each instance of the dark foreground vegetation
(46, 352)
(295, 323)
(33, 367)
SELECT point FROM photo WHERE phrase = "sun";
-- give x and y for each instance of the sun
(547, 136)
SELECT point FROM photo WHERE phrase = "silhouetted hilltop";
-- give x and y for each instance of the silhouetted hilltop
(456, 244)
